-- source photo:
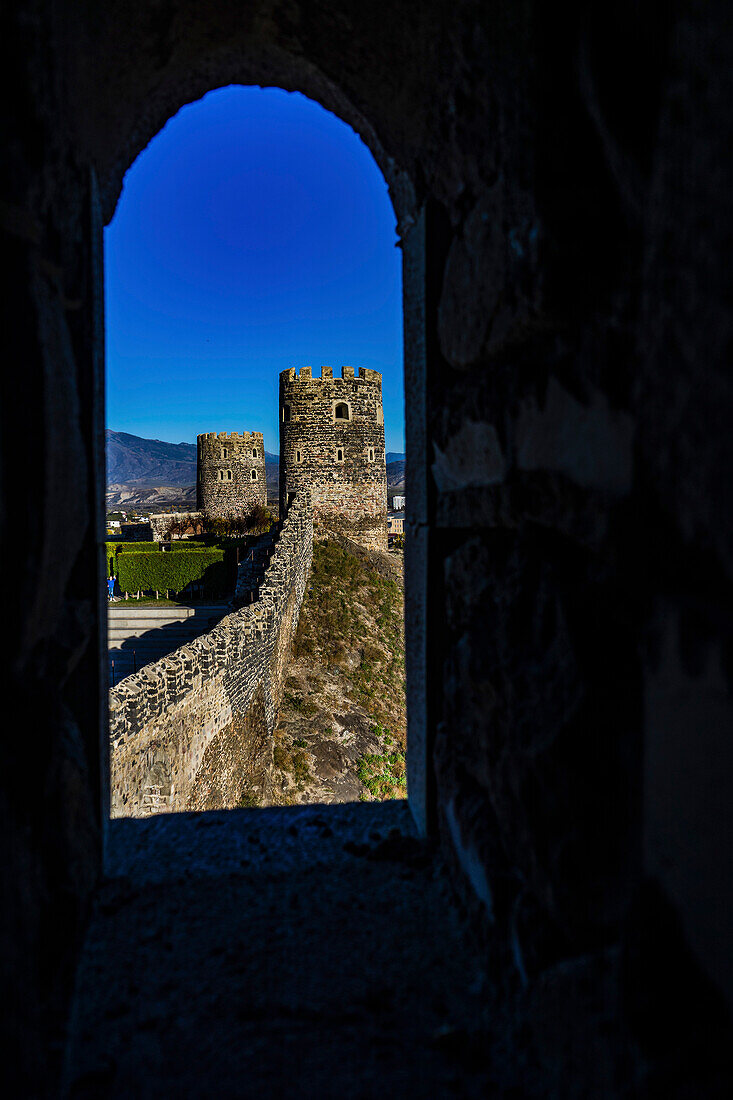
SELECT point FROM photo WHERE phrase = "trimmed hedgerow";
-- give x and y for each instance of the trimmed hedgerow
(155, 571)
(113, 550)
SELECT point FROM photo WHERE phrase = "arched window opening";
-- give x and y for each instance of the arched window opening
(258, 284)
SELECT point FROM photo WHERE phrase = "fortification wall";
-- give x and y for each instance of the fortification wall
(195, 729)
(160, 522)
(230, 472)
(340, 460)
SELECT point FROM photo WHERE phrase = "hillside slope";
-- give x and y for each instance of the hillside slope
(341, 730)
(132, 459)
(150, 472)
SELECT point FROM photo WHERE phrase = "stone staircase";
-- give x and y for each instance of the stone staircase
(136, 636)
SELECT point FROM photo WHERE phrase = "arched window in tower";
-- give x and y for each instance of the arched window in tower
(254, 452)
(371, 454)
(254, 475)
(339, 455)
(224, 452)
(342, 411)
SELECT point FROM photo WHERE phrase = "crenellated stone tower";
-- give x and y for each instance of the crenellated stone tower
(332, 443)
(230, 470)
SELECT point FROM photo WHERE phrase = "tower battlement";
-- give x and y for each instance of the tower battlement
(305, 374)
(232, 436)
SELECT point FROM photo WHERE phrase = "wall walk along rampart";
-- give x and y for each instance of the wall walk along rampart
(194, 730)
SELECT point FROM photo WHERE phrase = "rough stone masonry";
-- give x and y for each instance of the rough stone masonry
(332, 442)
(230, 472)
(194, 730)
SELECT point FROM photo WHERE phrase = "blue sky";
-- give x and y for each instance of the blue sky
(254, 233)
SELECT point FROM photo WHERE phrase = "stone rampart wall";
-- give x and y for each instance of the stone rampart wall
(194, 730)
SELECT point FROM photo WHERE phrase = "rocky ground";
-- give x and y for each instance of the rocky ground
(340, 735)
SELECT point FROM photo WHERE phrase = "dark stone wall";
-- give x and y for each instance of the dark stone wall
(562, 181)
(348, 493)
(225, 463)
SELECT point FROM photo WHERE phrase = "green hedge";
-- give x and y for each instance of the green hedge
(135, 547)
(156, 571)
(118, 555)
(114, 549)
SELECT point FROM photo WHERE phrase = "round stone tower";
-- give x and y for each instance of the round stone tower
(230, 470)
(332, 443)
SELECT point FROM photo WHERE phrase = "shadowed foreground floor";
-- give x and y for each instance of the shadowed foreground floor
(304, 951)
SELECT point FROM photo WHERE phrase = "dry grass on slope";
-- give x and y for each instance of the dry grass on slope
(341, 729)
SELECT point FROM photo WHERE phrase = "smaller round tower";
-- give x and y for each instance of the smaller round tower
(230, 469)
(332, 443)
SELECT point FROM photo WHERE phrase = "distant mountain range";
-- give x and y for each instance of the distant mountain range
(150, 473)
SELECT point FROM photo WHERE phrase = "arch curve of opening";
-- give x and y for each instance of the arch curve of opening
(266, 69)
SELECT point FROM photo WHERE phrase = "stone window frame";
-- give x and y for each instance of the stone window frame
(254, 452)
(340, 451)
(298, 457)
(337, 404)
(371, 454)
(225, 452)
(415, 253)
(253, 476)
(223, 475)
